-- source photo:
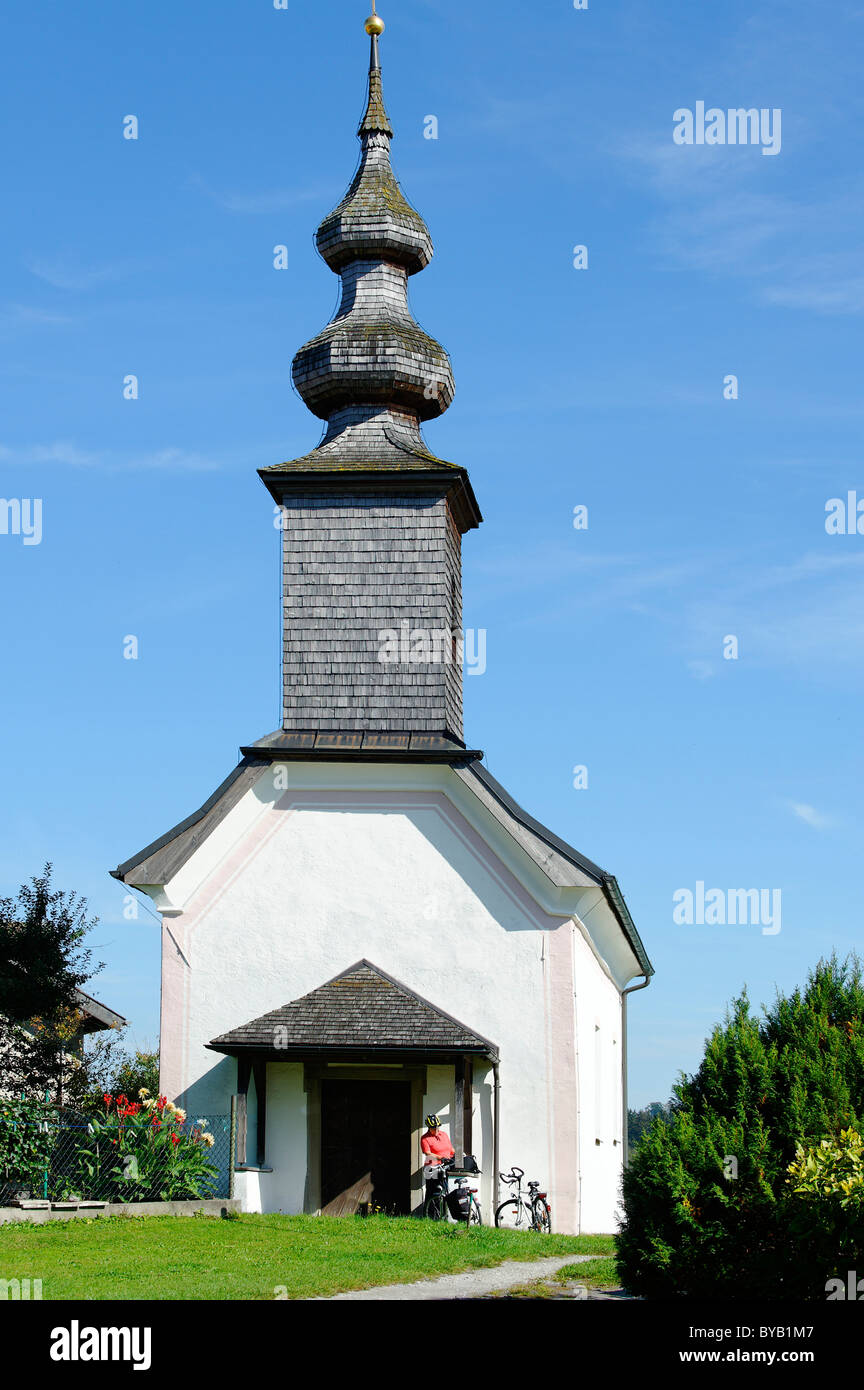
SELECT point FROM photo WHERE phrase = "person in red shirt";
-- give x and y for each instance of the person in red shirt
(435, 1145)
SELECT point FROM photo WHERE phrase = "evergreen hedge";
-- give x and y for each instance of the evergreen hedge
(712, 1209)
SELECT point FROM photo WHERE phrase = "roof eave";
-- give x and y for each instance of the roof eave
(453, 477)
(248, 760)
(102, 1017)
(394, 1051)
(604, 880)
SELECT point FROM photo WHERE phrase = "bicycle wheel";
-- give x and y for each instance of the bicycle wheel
(513, 1216)
(434, 1208)
(542, 1217)
(475, 1217)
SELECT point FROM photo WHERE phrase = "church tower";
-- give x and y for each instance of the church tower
(372, 521)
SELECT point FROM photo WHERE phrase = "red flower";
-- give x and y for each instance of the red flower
(161, 1103)
(175, 1138)
(107, 1099)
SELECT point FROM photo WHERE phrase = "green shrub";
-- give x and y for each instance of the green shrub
(28, 1135)
(709, 1208)
(826, 1182)
(138, 1152)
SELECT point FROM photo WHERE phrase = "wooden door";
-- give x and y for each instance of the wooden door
(365, 1146)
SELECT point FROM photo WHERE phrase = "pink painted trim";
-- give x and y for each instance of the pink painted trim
(173, 1012)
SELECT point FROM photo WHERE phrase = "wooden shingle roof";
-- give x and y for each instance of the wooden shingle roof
(364, 1010)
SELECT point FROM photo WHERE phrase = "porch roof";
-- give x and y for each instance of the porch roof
(362, 1010)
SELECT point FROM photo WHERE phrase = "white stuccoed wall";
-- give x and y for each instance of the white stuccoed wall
(598, 1016)
(395, 864)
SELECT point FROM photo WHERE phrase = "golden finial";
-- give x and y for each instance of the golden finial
(374, 24)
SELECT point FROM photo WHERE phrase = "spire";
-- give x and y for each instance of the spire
(376, 115)
(373, 374)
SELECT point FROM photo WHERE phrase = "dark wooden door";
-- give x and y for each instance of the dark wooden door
(365, 1146)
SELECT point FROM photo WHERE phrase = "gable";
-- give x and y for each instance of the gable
(514, 848)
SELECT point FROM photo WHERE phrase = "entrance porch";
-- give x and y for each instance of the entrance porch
(332, 1090)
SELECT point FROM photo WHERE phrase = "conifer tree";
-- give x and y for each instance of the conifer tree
(710, 1209)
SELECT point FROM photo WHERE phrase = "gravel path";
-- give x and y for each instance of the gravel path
(472, 1283)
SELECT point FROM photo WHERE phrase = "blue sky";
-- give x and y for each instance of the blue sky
(601, 387)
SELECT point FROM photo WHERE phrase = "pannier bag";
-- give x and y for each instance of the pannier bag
(459, 1201)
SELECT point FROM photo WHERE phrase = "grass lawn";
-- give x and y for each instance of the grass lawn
(201, 1257)
(592, 1274)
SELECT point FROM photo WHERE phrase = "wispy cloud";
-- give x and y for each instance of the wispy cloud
(805, 614)
(828, 294)
(701, 670)
(808, 614)
(265, 200)
(506, 115)
(617, 575)
(28, 316)
(809, 815)
(69, 455)
(67, 272)
(711, 217)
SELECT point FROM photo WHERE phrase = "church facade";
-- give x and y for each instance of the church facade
(360, 926)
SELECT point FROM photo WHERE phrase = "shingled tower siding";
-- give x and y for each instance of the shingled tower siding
(356, 567)
(372, 520)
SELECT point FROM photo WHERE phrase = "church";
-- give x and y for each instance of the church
(360, 926)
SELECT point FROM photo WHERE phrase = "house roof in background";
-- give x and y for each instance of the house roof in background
(97, 1016)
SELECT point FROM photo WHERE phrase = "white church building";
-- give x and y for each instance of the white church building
(360, 926)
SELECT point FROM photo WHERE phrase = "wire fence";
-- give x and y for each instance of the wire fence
(70, 1159)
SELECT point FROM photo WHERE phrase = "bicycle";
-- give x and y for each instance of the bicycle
(437, 1206)
(524, 1214)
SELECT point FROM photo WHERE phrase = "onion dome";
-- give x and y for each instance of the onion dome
(373, 359)
(374, 218)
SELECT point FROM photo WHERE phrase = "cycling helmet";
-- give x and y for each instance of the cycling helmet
(433, 1122)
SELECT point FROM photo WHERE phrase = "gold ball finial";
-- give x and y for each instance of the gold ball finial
(374, 25)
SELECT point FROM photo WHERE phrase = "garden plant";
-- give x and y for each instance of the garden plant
(133, 1151)
(753, 1184)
